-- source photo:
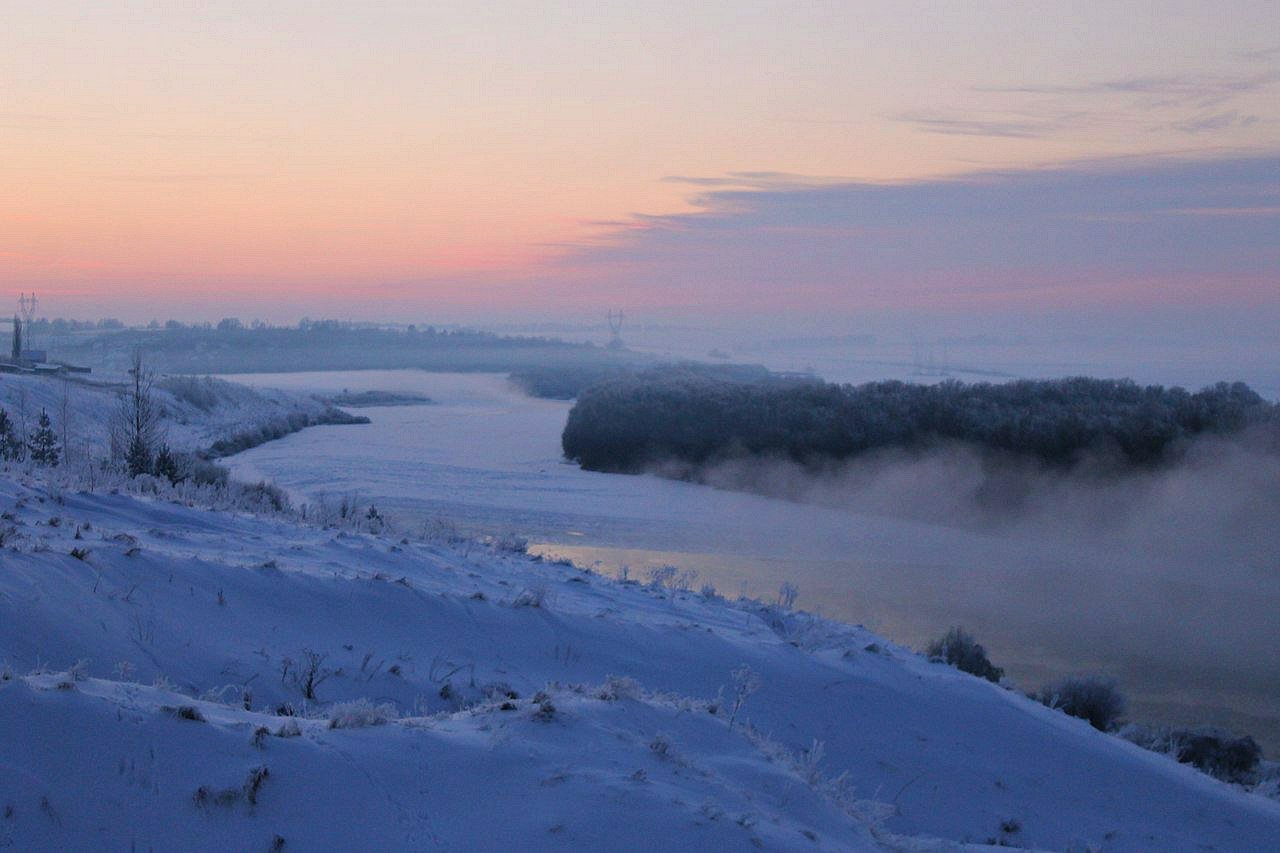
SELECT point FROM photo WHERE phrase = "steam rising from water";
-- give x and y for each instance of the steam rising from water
(1168, 579)
(1215, 511)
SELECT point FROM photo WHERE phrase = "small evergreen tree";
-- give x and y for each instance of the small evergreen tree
(138, 457)
(45, 449)
(11, 448)
(167, 466)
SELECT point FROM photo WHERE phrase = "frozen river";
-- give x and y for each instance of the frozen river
(487, 459)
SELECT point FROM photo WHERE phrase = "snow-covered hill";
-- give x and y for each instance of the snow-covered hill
(181, 678)
(198, 413)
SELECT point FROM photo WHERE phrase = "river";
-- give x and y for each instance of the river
(487, 458)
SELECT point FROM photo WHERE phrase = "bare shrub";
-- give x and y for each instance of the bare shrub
(184, 712)
(745, 683)
(305, 674)
(228, 797)
(534, 596)
(683, 581)
(959, 649)
(253, 783)
(546, 709)
(661, 576)
(662, 746)
(1090, 697)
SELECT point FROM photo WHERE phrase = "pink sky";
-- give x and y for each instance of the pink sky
(184, 159)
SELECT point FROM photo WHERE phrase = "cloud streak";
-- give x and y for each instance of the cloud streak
(1129, 231)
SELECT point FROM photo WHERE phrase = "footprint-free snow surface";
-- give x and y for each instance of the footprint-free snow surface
(176, 678)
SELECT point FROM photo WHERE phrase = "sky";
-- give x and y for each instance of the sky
(832, 160)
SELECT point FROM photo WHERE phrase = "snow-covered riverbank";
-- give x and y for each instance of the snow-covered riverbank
(510, 701)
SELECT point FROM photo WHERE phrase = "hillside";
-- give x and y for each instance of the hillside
(155, 685)
(200, 414)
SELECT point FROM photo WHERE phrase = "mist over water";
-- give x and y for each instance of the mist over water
(1168, 580)
(1217, 507)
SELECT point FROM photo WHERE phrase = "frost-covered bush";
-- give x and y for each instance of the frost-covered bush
(360, 714)
(510, 543)
(1212, 750)
(617, 687)
(203, 472)
(534, 596)
(959, 649)
(661, 576)
(202, 392)
(1219, 753)
(1094, 698)
(261, 497)
(289, 728)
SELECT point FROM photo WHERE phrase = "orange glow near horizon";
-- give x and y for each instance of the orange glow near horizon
(463, 157)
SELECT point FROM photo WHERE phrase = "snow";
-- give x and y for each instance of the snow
(1187, 646)
(89, 405)
(176, 606)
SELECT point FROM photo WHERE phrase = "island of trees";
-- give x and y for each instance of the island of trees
(636, 421)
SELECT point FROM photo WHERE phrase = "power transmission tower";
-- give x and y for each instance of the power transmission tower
(615, 327)
(27, 311)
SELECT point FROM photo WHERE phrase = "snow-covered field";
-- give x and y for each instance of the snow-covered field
(1183, 621)
(503, 701)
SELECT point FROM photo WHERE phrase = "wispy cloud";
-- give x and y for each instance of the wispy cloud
(1215, 121)
(1194, 104)
(1124, 229)
(1201, 90)
(1009, 128)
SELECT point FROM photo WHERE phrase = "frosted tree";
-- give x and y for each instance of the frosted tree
(11, 447)
(45, 449)
(136, 429)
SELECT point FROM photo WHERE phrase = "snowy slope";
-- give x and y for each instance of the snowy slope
(196, 411)
(503, 726)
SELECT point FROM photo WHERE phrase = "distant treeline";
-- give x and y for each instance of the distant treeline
(636, 421)
(566, 383)
(279, 428)
(369, 399)
(230, 347)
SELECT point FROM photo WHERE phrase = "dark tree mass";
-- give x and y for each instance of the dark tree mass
(640, 420)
